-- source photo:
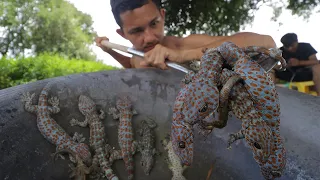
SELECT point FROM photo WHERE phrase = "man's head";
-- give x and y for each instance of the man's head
(141, 22)
(290, 42)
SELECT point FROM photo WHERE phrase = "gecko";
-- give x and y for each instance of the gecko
(49, 128)
(97, 133)
(124, 112)
(188, 107)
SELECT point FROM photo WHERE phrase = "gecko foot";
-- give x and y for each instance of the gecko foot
(54, 101)
(27, 97)
(77, 137)
(102, 114)
(232, 139)
(73, 122)
(114, 113)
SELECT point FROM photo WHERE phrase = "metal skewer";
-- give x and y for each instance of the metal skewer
(139, 53)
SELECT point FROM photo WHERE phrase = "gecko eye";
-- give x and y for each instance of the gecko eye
(256, 145)
(182, 144)
(203, 108)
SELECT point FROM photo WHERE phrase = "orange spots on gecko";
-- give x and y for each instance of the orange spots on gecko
(269, 116)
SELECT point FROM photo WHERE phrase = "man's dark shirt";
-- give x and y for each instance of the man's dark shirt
(303, 52)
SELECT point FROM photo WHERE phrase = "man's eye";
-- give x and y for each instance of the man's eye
(154, 23)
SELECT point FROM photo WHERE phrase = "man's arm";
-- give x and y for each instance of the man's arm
(123, 60)
(312, 61)
(241, 39)
(190, 42)
(189, 49)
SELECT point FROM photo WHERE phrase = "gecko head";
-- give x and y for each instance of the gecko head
(83, 152)
(195, 102)
(267, 150)
(276, 164)
(86, 105)
(123, 102)
(182, 142)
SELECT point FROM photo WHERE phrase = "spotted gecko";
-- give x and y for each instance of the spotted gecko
(124, 112)
(203, 107)
(49, 128)
(97, 133)
(266, 101)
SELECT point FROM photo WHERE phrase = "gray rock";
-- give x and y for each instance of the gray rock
(25, 154)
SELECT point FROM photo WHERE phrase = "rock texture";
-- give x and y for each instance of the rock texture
(25, 154)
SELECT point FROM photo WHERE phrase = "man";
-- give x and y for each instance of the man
(142, 23)
(302, 62)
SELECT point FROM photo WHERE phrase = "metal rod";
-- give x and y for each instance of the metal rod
(141, 54)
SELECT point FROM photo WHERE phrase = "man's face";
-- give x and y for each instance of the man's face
(293, 47)
(143, 27)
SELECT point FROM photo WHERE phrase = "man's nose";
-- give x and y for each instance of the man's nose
(149, 36)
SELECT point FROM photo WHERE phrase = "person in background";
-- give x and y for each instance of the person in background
(302, 62)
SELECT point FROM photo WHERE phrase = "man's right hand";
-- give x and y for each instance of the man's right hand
(98, 43)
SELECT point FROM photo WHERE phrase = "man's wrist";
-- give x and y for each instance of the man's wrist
(190, 55)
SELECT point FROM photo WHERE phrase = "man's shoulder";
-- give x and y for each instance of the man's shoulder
(304, 45)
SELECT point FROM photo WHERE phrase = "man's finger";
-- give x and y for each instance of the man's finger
(144, 63)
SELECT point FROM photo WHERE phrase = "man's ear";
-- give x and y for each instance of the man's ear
(120, 32)
(163, 12)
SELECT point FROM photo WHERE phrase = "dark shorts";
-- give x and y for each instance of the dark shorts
(301, 74)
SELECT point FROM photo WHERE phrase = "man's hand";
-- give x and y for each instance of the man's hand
(98, 43)
(293, 62)
(159, 54)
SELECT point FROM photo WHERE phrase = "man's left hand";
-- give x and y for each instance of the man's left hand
(159, 54)
(293, 62)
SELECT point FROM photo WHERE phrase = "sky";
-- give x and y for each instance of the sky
(105, 25)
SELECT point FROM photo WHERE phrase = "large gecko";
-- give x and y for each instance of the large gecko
(195, 105)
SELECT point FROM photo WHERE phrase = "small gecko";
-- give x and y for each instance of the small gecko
(49, 128)
(124, 112)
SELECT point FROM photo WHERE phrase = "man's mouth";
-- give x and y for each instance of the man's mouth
(148, 48)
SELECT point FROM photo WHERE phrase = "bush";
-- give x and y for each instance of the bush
(23, 70)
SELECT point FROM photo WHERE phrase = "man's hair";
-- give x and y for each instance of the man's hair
(120, 6)
(288, 39)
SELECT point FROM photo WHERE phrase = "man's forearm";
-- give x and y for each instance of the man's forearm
(123, 60)
(241, 40)
(308, 62)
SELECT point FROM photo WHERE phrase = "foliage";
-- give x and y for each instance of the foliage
(45, 26)
(222, 17)
(23, 70)
(61, 28)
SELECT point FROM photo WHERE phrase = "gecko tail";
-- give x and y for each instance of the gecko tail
(128, 160)
(109, 173)
(177, 176)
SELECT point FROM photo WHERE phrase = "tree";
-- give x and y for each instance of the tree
(222, 17)
(61, 28)
(54, 26)
(14, 26)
